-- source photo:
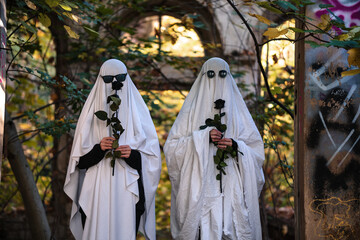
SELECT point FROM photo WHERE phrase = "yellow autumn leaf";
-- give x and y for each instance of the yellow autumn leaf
(350, 72)
(44, 19)
(52, 3)
(354, 57)
(325, 22)
(75, 18)
(71, 33)
(261, 18)
(99, 51)
(343, 37)
(65, 7)
(274, 32)
(71, 16)
(30, 4)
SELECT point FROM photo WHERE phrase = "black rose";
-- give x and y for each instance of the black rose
(219, 104)
(116, 85)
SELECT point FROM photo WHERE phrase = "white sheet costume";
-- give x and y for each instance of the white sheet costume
(109, 200)
(196, 200)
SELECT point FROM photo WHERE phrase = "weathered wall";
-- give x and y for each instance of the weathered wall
(331, 122)
(223, 29)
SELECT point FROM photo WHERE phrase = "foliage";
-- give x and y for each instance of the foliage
(338, 34)
(94, 31)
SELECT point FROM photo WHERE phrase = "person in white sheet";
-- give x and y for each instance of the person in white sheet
(113, 203)
(207, 203)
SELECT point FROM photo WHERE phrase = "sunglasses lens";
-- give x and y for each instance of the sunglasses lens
(107, 79)
(121, 77)
(210, 74)
(222, 73)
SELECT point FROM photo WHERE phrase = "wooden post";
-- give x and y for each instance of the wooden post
(299, 134)
(2, 74)
(327, 140)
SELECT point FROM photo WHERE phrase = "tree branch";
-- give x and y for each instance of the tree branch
(258, 56)
(36, 110)
(17, 28)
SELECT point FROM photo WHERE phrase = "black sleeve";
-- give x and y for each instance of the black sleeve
(91, 158)
(134, 160)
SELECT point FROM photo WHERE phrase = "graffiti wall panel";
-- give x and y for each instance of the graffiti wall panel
(332, 130)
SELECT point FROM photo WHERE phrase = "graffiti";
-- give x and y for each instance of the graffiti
(334, 132)
(337, 103)
(335, 217)
(347, 10)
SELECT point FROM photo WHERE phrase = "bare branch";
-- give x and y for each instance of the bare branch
(258, 56)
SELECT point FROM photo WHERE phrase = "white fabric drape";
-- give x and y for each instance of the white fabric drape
(195, 198)
(109, 200)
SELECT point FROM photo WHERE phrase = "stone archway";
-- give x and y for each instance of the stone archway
(177, 9)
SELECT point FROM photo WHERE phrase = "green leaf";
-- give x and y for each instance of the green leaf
(115, 120)
(199, 24)
(222, 114)
(203, 127)
(218, 177)
(313, 44)
(217, 118)
(277, 90)
(115, 144)
(222, 128)
(29, 70)
(219, 152)
(267, 6)
(216, 159)
(116, 100)
(336, 17)
(102, 10)
(29, 27)
(223, 164)
(114, 107)
(325, 6)
(286, 5)
(109, 154)
(343, 44)
(117, 154)
(108, 122)
(102, 115)
(52, 3)
(91, 31)
(112, 163)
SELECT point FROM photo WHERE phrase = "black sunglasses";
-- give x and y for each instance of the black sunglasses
(120, 77)
(211, 73)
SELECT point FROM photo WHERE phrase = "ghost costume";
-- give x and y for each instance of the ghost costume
(107, 200)
(198, 208)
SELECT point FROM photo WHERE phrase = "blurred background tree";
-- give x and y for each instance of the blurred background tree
(56, 48)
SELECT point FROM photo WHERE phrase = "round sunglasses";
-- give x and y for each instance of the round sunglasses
(211, 73)
(120, 77)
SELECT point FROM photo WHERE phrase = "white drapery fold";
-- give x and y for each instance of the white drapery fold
(109, 200)
(196, 200)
